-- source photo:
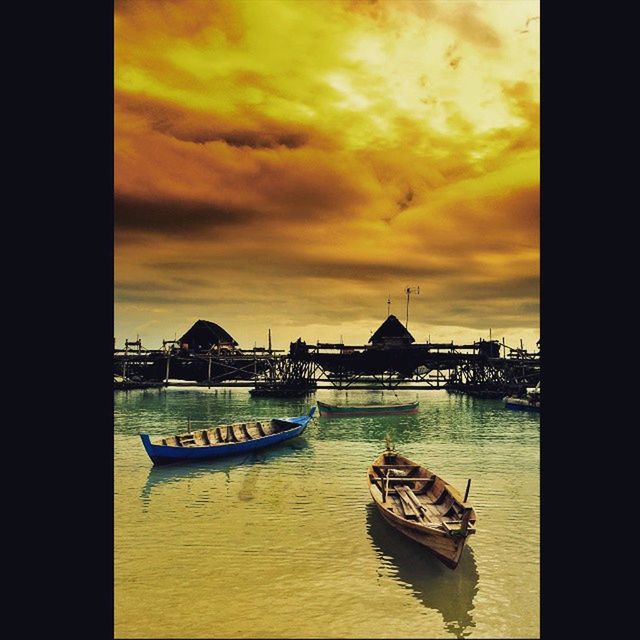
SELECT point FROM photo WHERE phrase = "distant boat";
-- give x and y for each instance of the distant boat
(530, 402)
(421, 505)
(224, 440)
(124, 384)
(366, 409)
(282, 390)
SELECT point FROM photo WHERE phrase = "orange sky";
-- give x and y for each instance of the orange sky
(289, 163)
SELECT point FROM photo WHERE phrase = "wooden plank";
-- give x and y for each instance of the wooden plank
(396, 466)
(400, 480)
(407, 505)
(406, 509)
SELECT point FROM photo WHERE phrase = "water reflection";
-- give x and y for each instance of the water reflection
(450, 592)
(401, 428)
(174, 473)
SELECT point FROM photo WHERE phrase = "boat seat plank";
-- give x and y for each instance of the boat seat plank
(260, 429)
(398, 480)
(395, 466)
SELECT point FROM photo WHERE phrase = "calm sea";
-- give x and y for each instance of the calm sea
(286, 542)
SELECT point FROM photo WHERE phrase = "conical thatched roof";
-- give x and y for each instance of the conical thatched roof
(204, 334)
(391, 328)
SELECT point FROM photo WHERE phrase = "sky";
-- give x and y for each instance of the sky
(289, 164)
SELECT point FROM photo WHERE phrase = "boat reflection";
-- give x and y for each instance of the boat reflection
(449, 592)
(175, 473)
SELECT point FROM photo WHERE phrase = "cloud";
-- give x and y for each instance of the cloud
(180, 218)
(294, 162)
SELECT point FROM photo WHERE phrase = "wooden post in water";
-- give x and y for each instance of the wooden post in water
(209, 372)
(466, 493)
(166, 378)
(124, 365)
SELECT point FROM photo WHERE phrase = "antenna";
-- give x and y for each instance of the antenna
(409, 291)
(269, 340)
(388, 305)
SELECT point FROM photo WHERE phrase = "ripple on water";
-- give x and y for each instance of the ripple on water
(293, 528)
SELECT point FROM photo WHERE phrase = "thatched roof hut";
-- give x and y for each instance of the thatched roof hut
(391, 332)
(204, 334)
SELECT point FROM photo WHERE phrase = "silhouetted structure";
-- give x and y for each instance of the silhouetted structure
(391, 333)
(205, 335)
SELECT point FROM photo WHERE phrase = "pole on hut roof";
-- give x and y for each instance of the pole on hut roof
(269, 340)
(388, 305)
(489, 334)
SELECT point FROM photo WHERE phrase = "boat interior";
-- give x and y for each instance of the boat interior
(415, 494)
(226, 434)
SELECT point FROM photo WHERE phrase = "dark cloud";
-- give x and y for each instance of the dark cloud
(521, 101)
(144, 286)
(170, 265)
(177, 218)
(190, 125)
(496, 290)
(158, 297)
(467, 21)
(369, 272)
(405, 202)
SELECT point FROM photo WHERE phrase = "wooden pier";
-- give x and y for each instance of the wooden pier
(484, 368)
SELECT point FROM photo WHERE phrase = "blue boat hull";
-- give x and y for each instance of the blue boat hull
(161, 454)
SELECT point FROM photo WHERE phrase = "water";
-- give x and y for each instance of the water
(286, 542)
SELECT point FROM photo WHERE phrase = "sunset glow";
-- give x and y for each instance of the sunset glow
(287, 164)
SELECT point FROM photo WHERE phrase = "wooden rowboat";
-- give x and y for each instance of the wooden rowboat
(421, 505)
(366, 409)
(224, 440)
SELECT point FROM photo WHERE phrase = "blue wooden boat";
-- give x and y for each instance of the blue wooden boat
(224, 440)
